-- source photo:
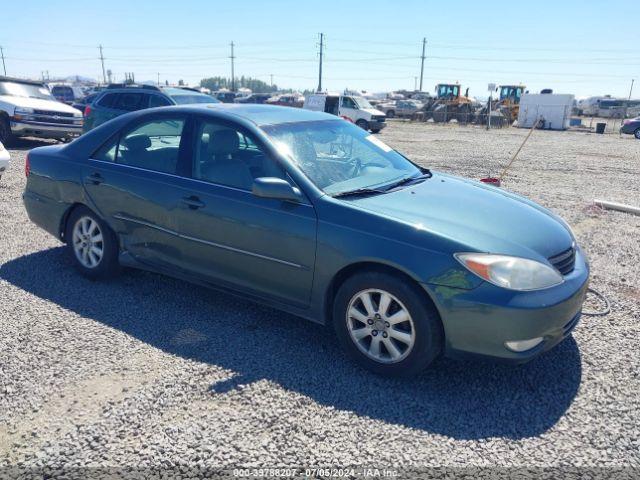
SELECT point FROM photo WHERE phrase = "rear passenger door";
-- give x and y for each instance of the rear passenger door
(131, 182)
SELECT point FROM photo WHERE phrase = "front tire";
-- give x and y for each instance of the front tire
(6, 137)
(363, 124)
(386, 324)
(637, 133)
(92, 245)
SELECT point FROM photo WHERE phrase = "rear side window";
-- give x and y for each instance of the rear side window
(152, 145)
(108, 100)
(131, 102)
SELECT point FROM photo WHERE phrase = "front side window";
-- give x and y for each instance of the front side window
(338, 156)
(158, 101)
(153, 145)
(226, 156)
(347, 102)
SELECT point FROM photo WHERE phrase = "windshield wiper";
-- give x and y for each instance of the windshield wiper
(358, 191)
(404, 181)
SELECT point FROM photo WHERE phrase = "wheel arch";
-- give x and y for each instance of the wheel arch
(65, 218)
(369, 266)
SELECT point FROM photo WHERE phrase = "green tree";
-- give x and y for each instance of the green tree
(256, 86)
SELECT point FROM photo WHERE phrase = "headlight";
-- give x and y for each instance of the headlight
(23, 110)
(513, 273)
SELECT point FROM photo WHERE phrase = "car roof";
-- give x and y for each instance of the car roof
(260, 115)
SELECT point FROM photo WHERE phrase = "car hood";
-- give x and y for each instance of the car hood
(372, 111)
(39, 104)
(473, 215)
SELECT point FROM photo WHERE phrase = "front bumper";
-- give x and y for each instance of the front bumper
(478, 322)
(25, 128)
(628, 129)
(377, 124)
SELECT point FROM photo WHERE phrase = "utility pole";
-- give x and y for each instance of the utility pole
(271, 75)
(424, 47)
(320, 69)
(233, 78)
(4, 67)
(158, 78)
(104, 76)
(415, 83)
(630, 90)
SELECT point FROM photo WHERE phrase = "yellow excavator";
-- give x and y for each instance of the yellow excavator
(509, 102)
(449, 104)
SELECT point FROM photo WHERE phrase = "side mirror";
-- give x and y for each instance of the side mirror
(277, 188)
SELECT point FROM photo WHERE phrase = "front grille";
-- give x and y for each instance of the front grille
(50, 113)
(565, 261)
(51, 117)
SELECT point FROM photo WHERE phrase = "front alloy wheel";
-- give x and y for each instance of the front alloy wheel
(380, 326)
(387, 323)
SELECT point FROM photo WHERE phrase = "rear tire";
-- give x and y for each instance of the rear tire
(391, 114)
(91, 244)
(396, 332)
(375, 131)
(363, 124)
(637, 133)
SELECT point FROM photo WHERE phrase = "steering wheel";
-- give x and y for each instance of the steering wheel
(356, 167)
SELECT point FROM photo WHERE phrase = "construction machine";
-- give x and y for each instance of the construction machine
(504, 109)
(449, 104)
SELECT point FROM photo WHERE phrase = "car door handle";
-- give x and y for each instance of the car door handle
(95, 178)
(192, 202)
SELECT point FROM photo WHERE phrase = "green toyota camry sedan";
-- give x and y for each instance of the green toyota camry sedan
(314, 216)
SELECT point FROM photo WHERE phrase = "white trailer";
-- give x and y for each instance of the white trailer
(554, 110)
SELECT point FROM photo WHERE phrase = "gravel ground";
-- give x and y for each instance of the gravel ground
(146, 371)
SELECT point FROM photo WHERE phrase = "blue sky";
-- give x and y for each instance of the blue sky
(581, 47)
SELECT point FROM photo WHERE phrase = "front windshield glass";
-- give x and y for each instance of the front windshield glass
(340, 157)
(25, 90)
(362, 102)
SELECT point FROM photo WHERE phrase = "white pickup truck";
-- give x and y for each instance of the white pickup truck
(27, 109)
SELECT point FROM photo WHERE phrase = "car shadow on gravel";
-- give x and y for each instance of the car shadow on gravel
(458, 399)
(27, 143)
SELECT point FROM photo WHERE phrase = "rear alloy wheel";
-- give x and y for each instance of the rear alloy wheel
(637, 133)
(387, 324)
(93, 246)
(363, 124)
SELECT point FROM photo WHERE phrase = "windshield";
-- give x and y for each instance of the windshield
(183, 99)
(339, 157)
(362, 102)
(25, 90)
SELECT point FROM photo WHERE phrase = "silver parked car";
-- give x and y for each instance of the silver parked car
(400, 108)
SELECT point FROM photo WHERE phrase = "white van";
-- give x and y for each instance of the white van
(351, 107)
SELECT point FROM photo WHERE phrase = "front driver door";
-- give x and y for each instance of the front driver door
(263, 246)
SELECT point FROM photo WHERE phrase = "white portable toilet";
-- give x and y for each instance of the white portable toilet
(553, 109)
